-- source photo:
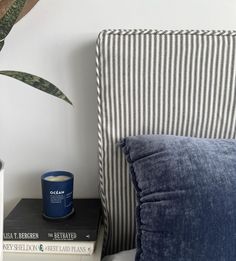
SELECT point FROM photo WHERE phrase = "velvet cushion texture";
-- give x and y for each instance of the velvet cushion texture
(186, 197)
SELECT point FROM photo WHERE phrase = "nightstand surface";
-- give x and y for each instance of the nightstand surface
(49, 257)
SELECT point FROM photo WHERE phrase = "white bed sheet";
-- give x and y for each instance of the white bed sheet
(128, 255)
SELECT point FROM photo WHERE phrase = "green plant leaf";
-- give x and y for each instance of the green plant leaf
(37, 82)
(1, 45)
(9, 19)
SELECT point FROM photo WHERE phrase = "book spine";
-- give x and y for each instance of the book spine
(82, 248)
(42, 235)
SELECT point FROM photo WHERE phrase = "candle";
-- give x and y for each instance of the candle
(57, 192)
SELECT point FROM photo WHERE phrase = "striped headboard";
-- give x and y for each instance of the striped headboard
(157, 82)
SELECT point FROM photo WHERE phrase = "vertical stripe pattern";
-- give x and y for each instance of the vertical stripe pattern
(157, 82)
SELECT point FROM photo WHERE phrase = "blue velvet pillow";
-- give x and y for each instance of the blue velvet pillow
(186, 191)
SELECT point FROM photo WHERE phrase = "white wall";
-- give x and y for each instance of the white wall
(56, 40)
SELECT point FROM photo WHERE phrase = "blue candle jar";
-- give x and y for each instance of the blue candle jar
(57, 193)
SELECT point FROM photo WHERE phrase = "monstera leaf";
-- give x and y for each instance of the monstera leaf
(37, 82)
(6, 23)
(9, 19)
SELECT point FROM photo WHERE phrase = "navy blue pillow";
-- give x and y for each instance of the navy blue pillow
(186, 197)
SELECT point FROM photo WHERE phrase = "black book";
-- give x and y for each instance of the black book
(26, 223)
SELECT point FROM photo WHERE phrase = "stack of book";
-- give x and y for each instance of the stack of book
(26, 231)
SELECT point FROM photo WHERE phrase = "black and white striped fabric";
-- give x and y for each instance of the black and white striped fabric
(157, 82)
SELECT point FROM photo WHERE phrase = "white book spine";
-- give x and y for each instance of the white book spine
(48, 247)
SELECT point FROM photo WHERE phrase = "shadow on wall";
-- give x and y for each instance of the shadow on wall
(83, 75)
(23, 179)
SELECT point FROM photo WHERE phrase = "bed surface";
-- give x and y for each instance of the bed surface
(128, 255)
